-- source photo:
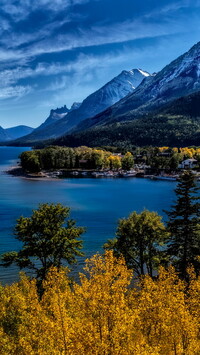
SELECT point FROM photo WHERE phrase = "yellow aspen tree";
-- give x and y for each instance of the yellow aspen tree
(102, 300)
(165, 319)
(56, 303)
(193, 300)
(35, 328)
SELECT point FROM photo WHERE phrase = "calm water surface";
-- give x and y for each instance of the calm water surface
(96, 204)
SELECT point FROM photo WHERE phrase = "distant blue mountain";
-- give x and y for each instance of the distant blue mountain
(3, 135)
(15, 132)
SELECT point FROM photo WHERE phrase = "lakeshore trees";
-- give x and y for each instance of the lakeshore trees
(48, 239)
(159, 158)
(71, 158)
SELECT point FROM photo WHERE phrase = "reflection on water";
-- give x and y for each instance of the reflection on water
(96, 204)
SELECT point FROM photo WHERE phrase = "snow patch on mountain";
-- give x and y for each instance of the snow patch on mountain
(145, 73)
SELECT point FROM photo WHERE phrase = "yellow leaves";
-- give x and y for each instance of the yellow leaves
(175, 150)
(102, 300)
(188, 152)
(165, 317)
(102, 314)
(163, 149)
(114, 162)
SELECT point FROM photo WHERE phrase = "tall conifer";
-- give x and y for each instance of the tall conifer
(184, 225)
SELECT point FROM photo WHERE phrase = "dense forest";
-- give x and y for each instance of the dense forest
(175, 124)
(170, 130)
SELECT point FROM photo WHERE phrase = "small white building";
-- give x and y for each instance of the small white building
(188, 164)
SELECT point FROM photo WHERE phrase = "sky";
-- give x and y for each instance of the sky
(56, 52)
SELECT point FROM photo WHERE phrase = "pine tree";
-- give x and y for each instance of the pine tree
(184, 226)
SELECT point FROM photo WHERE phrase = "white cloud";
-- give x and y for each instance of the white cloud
(42, 42)
(24, 38)
(96, 36)
(100, 35)
(45, 41)
(21, 10)
(12, 76)
(70, 75)
(14, 92)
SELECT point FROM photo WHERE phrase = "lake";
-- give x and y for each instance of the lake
(96, 203)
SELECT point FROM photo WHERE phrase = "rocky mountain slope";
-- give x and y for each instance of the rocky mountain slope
(179, 78)
(114, 90)
(53, 117)
(175, 124)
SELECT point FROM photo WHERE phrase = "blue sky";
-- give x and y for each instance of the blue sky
(55, 52)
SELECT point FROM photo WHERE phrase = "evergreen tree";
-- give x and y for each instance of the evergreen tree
(184, 225)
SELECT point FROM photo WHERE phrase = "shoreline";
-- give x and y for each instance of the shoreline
(17, 171)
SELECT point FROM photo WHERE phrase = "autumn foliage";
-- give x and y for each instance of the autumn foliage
(102, 314)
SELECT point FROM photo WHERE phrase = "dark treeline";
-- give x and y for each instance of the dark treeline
(171, 130)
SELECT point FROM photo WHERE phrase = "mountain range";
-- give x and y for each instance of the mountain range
(135, 107)
(60, 122)
(164, 109)
(9, 134)
(179, 78)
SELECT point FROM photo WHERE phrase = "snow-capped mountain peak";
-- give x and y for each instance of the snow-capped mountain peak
(113, 91)
(180, 77)
(125, 83)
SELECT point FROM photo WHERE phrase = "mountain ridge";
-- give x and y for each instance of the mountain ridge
(180, 77)
(115, 89)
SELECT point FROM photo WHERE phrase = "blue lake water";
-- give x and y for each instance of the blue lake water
(96, 204)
